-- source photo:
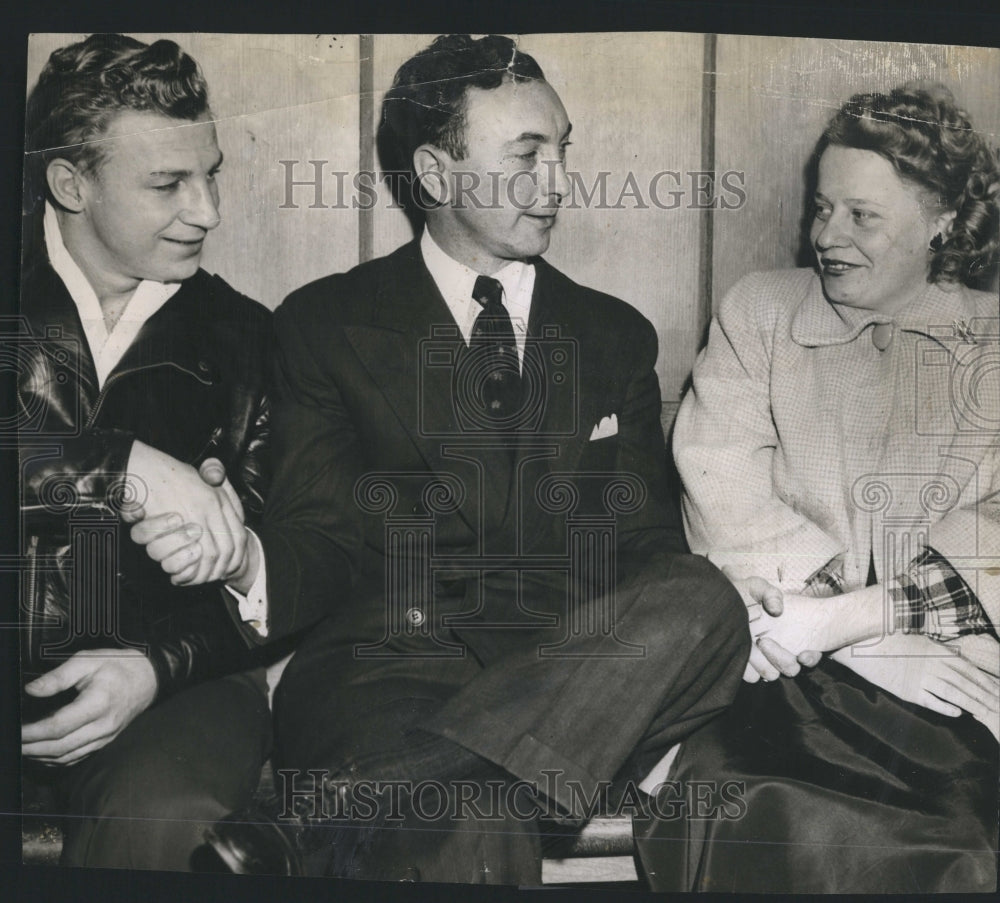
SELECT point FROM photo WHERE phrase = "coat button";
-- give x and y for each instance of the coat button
(882, 335)
(203, 367)
(415, 616)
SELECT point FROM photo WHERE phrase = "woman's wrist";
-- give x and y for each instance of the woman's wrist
(856, 616)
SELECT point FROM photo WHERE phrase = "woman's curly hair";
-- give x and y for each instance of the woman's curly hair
(930, 141)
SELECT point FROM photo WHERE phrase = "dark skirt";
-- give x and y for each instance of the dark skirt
(839, 787)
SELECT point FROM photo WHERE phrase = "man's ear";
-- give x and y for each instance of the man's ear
(430, 164)
(65, 182)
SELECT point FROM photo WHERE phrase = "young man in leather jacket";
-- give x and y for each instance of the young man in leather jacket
(139, 375)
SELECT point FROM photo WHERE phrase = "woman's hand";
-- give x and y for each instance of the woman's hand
(808, 626)
(805, 624)
(919, 670)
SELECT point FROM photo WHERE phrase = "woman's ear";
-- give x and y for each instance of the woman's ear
(943, 223)
(64, 180)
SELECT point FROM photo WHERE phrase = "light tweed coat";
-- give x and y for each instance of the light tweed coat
(801, 441)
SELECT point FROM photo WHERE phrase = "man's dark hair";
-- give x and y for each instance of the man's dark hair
(84, 85)
(426, 103)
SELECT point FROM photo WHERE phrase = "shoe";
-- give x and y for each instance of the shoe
(251, 842)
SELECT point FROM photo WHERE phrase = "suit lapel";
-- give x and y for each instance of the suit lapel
(409, 348)
(551, 381)
(554, 350)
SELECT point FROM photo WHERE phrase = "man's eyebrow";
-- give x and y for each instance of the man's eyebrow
(183, 173)
(528, 136)
(538, 136)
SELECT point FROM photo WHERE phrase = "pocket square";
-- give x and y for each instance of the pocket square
(607, 427)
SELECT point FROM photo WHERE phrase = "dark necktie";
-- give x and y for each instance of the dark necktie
(495, 350)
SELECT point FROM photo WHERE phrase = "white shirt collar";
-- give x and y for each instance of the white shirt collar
(455, 281)
(106, 348)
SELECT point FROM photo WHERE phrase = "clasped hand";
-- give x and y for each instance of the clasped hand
(190, 521)
(782, 643)
(792, 630)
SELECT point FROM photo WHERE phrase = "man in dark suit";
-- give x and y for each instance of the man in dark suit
(470, 485)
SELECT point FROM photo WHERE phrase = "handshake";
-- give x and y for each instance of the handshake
(190, 521)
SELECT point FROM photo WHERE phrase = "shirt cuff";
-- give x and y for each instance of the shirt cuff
(253, 606)
(930, 597)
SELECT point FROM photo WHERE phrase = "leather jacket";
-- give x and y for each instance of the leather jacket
(192, 385)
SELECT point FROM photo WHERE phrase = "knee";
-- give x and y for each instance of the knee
(719, 608)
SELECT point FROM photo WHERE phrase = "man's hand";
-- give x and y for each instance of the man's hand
(115, 685)
(191, 522)
(919, 670)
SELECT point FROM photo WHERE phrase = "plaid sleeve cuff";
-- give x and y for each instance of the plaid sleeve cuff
(930, 597)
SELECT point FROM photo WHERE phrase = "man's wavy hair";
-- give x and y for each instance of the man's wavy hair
(84, 85)
(931, 143)
(426, 102)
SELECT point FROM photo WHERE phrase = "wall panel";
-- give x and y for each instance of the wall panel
(637, 102)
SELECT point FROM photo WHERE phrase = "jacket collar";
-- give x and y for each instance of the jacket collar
(178, 334)
(819, 322)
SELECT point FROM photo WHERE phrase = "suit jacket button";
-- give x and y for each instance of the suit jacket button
(415, 616)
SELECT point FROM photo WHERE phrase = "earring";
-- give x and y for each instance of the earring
(936, 242)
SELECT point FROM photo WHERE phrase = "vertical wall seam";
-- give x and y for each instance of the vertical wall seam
(366, 140)
(706, 243)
